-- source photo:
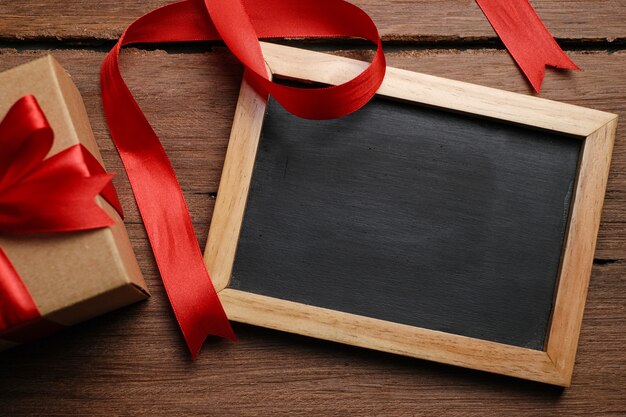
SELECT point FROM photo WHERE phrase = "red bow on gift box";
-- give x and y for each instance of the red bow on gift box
(39, 195)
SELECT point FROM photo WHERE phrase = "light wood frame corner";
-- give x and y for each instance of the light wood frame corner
(555, 364)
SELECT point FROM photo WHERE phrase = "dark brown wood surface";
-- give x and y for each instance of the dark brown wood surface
(133, 361)
(397, 20)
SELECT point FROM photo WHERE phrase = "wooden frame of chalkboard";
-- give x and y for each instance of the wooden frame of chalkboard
(554, 364)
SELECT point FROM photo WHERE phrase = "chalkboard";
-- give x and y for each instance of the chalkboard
(410, 215)
(444, 220)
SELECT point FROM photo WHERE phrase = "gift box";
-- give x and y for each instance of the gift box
(70, 276)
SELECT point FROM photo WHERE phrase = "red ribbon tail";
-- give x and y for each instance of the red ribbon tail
(16, 304)
(164, 211)
(20, 319)
(216, 324)
(526, 38)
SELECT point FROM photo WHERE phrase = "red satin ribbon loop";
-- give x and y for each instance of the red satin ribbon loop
(241, 24)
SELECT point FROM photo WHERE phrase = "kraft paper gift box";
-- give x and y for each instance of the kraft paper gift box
(71, 276)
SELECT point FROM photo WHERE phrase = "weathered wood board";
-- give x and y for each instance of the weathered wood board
(397, 20)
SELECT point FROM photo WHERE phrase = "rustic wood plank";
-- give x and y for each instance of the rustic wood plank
(133, 362)
(397, 20)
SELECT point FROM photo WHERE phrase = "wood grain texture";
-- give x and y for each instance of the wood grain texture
(358, 330)
(132, 362)
(397, 20)
(437, 92)
(236, 176)
(577, 263)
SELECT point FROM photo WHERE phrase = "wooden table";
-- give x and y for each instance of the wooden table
(133, 361)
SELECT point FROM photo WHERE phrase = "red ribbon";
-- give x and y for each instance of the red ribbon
(239, 23)
(17, 305)
(159, 197)
(526, 38)
(39, 195)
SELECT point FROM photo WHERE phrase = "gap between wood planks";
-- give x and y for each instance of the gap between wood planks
(391, 45)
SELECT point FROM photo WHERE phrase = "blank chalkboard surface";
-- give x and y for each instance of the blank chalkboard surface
(410, 215)
(445, 221)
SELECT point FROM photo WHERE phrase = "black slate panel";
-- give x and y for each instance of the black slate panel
(411, 215)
